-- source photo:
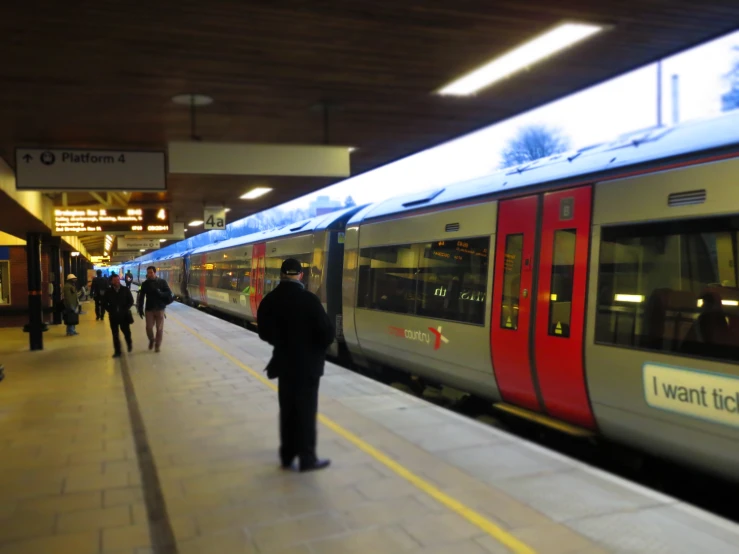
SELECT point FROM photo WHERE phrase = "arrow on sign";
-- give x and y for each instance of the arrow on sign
(28, 158)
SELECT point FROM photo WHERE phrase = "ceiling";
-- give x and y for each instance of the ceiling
(102, 74)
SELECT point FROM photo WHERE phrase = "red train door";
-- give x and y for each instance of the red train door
(257, 276)
(510, 333)
(560, 309)
(538, 312)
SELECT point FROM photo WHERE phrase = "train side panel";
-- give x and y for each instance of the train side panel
(662, 343)
(422, 301)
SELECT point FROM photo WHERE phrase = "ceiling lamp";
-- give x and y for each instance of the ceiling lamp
(192, 99)
(529, 53)
(195, 223)
(255, 193)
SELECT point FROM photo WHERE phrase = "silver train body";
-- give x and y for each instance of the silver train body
(597, 291)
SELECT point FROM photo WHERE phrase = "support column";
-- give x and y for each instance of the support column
(67, 258)
(56, 281)
(35, 316)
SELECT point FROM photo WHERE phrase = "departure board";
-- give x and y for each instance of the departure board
(91, 221)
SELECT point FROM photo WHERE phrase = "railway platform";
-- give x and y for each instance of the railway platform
(176, 452)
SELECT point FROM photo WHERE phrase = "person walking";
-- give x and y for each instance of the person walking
(129, 279)
(71, 305)
(118, 302)
(157, 295)
(294, 322)
(98, 288)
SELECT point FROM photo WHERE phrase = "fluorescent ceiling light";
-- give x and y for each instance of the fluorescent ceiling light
(227, 210)
(527, 54)
(635, 298)
(142, 250)
(195, 223)
(162, 240)
(255, 193)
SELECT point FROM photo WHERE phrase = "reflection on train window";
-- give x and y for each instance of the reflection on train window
(563, 269)
(671, 287)
(452, 280)
(272, 271)
(440, 280)
(511, 282)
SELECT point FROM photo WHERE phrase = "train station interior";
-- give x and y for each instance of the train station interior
(532, 354)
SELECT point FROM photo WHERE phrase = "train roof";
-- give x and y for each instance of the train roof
(318, 223)
(596, 162)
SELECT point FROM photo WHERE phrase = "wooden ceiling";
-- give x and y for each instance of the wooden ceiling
(102, 73)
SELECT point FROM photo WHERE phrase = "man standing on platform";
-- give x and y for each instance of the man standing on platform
(158, 296)
(294, 322)
(98, 288)
(118, 302)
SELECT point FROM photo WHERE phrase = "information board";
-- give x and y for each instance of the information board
(96, 221)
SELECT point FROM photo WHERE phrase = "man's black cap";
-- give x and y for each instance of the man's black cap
(291, 266)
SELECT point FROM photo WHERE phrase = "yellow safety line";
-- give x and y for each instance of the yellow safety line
(469, 514)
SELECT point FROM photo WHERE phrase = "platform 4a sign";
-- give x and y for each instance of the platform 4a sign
(214, 218)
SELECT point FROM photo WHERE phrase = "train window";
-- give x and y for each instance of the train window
(440, 280)
(511, 282)
(387, 278)
(671, 287)
(560, 295)
(272, 271)
(452, 280)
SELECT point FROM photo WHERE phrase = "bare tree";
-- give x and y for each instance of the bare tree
(730, 100)
(533, 142)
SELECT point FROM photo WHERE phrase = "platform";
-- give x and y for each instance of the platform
(176, 452)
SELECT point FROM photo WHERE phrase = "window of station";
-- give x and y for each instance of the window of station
(4, 283)
(511, 282)
(563, 270)
(671, 287)
(440, 280)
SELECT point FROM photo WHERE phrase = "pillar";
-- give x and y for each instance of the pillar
(56, 280)
(35, 309)
(67, 258)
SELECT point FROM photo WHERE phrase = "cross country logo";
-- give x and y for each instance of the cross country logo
(433, 337)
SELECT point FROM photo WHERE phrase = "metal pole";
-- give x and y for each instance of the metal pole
(35, 317)
(675, 99)
(659, 93)
(56, 280)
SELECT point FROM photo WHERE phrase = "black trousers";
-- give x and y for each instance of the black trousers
(126, 328)
(298, 409)
(99, 309)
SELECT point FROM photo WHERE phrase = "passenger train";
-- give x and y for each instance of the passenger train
(594, 290)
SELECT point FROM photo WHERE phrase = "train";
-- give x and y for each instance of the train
(593, 291)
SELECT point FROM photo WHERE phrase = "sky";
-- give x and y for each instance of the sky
(600, 113)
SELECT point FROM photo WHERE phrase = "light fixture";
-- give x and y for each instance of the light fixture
(352, 149)
(75, 254)
(192, 99)
(142, 250)
(227, 210)
(634, 298)
(195, 223)
(255, 193)
(162, 240)
(523, 56)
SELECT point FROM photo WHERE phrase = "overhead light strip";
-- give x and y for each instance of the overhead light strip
(255, 193)
(529, 53)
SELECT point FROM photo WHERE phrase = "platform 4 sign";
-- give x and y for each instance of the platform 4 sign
(68, 169)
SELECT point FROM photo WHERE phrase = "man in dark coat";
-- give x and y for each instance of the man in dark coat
(157, 295)
(294, 322)
(118, 302)
(99, 287)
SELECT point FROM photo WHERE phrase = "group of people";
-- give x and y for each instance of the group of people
(116, 300)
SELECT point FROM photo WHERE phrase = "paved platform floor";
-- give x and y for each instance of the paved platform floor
(176, 452)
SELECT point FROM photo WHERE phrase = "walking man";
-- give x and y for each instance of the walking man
(118, 302)
(294, 322)
(129, 279)
(158, 296)
(98, 288)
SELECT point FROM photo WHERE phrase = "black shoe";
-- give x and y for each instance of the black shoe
(151, 344)
(117, 355)
(318, 464)
(130, 346)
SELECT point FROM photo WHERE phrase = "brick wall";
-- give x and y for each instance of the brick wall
(9, 315)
